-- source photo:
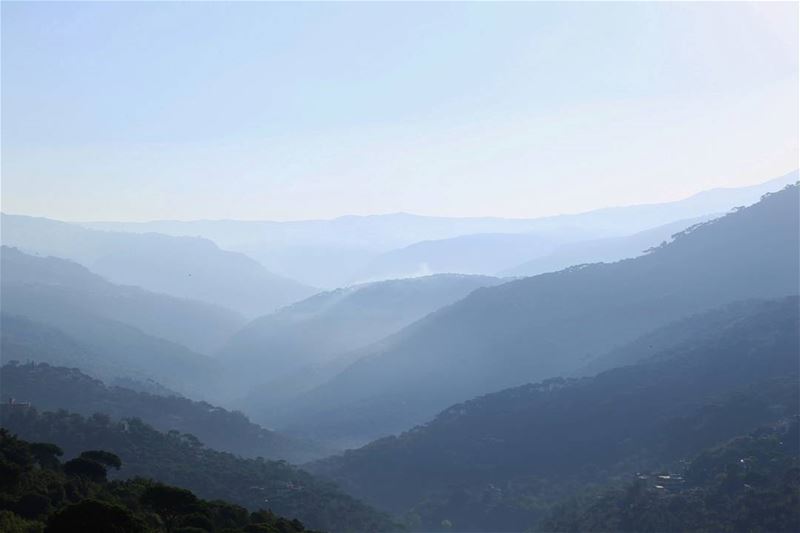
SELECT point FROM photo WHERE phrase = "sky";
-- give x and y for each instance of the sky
(286, 111)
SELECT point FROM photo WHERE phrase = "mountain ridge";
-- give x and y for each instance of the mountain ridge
(525, 330)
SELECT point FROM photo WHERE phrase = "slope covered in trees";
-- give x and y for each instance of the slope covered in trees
(54, 388)
(59, 283)
(499, 462)
(552, 324)
(22, 339)
(61, 332)
(287, 352)
(182, 460)
(38, 491)
(751, 483)
(608, 250)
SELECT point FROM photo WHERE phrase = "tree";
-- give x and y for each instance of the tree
(46, 454)
(32, 505)
(103, 457)
(168, 502)
(95, 516)
(86, 468)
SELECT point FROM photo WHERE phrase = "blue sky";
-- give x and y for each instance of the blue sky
(135, 111)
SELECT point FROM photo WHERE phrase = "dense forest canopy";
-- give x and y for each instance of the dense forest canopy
(181, 459)
(42, 494)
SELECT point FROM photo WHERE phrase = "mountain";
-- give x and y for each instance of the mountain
(333, 253)
(332, 323)
(747, 484)
(665, 339)
(56, 311)
(301, 345)
(39, 493)
(184, 461)
(330, 253)
(483, 253)
(607, 250)
(184, 267)
(200, 326)
(499, 462)
(54, 332)
(492, 253)
(22, 339)
(547, 325)
(52, 387)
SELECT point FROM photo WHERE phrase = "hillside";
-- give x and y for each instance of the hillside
(39, 324)
(518, 254)
(53, 388)
(184, 267)
(302, 339)
(483, 253)
(747, 484)
(182, 460)
(607, 250)
(200, 326)
(39, 491)
(666, 339)
(550, 324)
(500, 461)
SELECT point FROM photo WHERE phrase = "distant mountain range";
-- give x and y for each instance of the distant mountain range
(185, 267)
(334, 253)
(481, 253)
(550, 324)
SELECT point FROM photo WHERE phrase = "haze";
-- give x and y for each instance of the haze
(400, 267)
(137, 111)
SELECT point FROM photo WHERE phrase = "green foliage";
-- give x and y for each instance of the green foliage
(93, 515)
(13, 523)
(50, 498)
(751, 483)
(46, 454)
(53, 387)
(103, 457)
(170, 503)
(85, 468)
(181, 459)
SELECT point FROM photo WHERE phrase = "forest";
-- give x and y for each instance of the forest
(40, 493)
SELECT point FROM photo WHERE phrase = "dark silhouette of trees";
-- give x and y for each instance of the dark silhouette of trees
(103, 457)
(168, 502)
(43, 495)
(86, 468)
(96, 516)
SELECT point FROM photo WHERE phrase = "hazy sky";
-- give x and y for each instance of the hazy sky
(134, 111)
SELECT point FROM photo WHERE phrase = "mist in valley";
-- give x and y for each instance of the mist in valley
(406, 267)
